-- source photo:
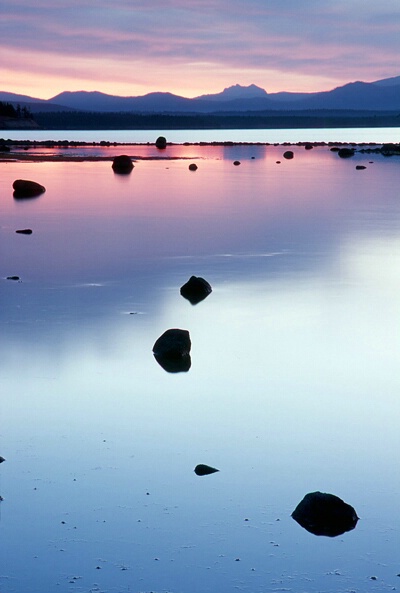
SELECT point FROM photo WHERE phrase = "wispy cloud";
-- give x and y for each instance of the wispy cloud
(183, 45)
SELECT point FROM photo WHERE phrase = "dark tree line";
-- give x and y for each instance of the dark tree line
(75, 120)
(18, 112)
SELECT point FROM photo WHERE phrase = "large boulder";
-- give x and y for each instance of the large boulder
(161, 142)
(23, 188)
(325, 514)
(122, 164)
(196, 289)
(172, 350)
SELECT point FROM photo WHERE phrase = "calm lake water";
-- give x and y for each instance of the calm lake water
(294, 384)
(378, 135)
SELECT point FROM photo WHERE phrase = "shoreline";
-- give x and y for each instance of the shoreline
(24, 150)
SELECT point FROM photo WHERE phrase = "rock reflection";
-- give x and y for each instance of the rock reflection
(174, 365)
(325, 514)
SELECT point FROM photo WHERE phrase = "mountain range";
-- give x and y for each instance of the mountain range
(381, 95)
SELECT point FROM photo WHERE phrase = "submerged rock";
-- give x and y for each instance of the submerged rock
(23, 188)
(161, 142)
(122, 164)
(325, 514)
(390, 149)
(204, 470)
(172, 350)
(24, 231)
(196, 290)
(289, 154)
(346, 153)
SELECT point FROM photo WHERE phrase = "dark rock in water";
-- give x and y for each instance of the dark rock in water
(122, 164)
(12, 277)
(308, 146)
(288, 154)
(204, 470)
(24, 188)
(1, 459)
(161, 142)
(172, 350)
(360, 167)
(346, 153)
(390, 149)
(192, 167)
(24, 231)
(236, 163)
(334, 149)
(196, 290)
(173, 343)
(325, 514)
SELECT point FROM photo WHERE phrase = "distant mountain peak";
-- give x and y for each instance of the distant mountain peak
(237, 91)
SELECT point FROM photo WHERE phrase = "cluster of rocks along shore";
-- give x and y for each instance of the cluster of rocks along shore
(6, 145)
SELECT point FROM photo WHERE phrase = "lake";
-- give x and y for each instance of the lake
(359, 135)
(293, 386)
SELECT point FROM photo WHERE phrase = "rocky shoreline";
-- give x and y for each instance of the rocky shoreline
(24, 150)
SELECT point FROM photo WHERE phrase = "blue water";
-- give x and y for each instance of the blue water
(294, 384)
(359, 135)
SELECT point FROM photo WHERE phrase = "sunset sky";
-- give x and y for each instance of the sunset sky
(192, 47)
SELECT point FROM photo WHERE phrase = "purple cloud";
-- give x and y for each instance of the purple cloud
(278, 46)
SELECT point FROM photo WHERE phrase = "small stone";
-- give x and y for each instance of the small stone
(236, 163)
(360, 167)
(288, 154)
(346, 153)
(161, 142)
(1, 459)
(23, 188)
(196, 289)
(193, 167)
(24, 231)
(15, 278)
(204, 470)
(122, 164)
(172, 350)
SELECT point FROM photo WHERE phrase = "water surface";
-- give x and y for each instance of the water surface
(293, 386)
(378, 135)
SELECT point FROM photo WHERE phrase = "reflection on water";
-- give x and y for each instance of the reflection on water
(293, 386)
